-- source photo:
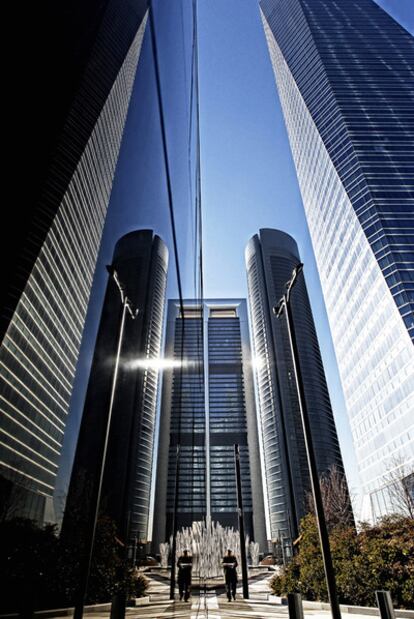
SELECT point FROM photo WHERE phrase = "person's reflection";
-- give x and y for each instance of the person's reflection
(185, 564)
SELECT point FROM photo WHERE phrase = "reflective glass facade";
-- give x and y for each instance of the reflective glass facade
(141, 263)
(127, 136)
(111, 173)
(270, 259)
(344, 75)
(150, 162)
(74, 54)
(207, 407)
(39, 353)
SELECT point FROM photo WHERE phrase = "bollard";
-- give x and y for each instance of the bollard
(295, 606)
(384, 603)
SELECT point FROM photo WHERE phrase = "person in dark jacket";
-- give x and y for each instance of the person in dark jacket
(185, 564)
(230, 574)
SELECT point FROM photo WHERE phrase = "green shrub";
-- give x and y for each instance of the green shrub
(39, 571)
(139, 584)
(378, 557)
(288, 581)
(28, 555)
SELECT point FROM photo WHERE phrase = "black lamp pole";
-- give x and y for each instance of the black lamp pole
(284, 306)
(241, 523)
(90, 537)
(174, 525)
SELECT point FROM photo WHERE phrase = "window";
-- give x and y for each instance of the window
(226, 312)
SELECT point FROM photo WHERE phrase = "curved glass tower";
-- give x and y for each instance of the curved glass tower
(140, 261)
(270, 258)
(344, 72)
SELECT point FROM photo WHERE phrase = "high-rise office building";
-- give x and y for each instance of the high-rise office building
(74, 134)
(344, 72)
(270, 259)
(140, 262)
(208, 406)
(74, 53)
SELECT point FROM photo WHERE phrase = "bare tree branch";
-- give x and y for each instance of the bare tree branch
(14, 489)
(336, 499)
(399, 483)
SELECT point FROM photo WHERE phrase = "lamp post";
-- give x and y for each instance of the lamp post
(282, 547)
(90, 537)
(284, 307)
(174, 525)
(241, 523)
(134, 552)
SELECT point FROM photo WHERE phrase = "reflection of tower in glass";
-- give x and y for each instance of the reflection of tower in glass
(344, 74)
(207, 406)
(55, 233)
(270, 259)
(140, 261)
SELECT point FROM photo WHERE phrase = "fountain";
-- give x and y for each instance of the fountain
(164, 552)
(207, 542)
(254, 553)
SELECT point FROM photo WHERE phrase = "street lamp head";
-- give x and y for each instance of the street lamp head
(289, 285)
(278, 309)
(124, 299)
(114, 274)
(296, 271)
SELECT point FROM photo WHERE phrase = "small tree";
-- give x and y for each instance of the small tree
(109, 570)
(336, 499)
(138, 584)
(27, 565)
(379, 557)
(399, 482)
(13, 496)
(39, 571)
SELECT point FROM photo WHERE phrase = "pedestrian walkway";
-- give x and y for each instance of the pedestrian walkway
(209, 606)
(214, 605)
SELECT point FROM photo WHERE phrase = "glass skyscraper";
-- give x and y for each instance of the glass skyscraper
(271, 257)
(74, 54)
(344, 72)
(39, 352)
(140, 261)
(208, 406)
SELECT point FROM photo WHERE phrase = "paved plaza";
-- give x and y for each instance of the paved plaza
(213, 605)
